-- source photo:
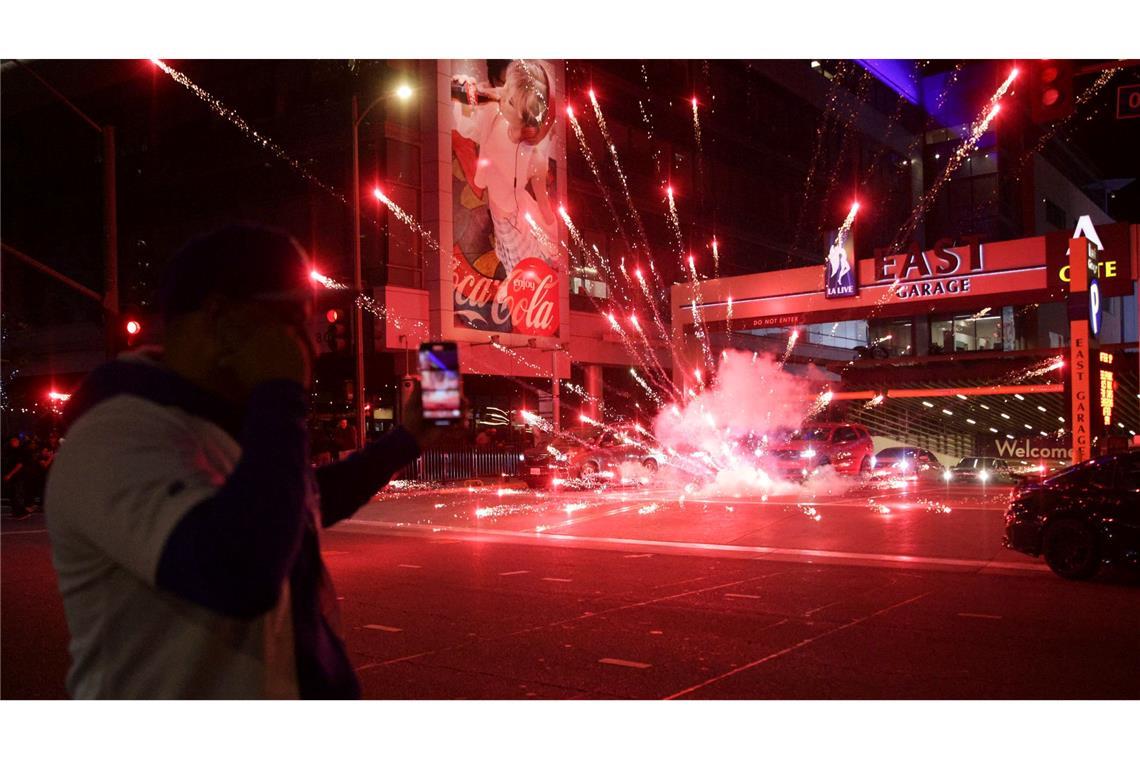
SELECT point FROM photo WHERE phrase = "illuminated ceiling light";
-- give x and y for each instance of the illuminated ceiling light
(972, 422)
(959, 395)
(948, 412)
(928, 404)
(1060, 419)
(1028, 427)
(1010, 437)
(984, 407)
(1004, 415)
(1042, 433)
(993, 430)
(815, 64)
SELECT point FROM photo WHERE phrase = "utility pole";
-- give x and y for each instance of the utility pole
(357, 280)
(110, 242)
(110, 215)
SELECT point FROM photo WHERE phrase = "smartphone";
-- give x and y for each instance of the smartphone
(440, 382)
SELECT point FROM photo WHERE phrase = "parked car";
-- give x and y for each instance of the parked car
(910, 462)
(609, 450)
(981, 470)
(1082, 516)
(595, 454)
(547, 462)
(847, 448)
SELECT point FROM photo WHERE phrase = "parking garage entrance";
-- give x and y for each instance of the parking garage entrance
(1024, 349)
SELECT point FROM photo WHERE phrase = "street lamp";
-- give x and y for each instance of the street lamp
(403, 92)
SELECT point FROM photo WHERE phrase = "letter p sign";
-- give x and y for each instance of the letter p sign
(1094, 307)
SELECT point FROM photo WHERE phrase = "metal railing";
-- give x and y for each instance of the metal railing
(442, 465)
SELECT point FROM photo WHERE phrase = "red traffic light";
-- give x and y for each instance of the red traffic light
(332, 315)
(1051, 91)
(133, 327)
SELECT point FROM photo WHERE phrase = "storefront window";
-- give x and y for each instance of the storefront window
(894, 337)
(967, 332)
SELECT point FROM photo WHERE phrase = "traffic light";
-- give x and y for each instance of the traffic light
(1051, 91)
(132, 329)
(336, 334)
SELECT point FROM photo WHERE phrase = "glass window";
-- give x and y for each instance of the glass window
(973, 332)
(843, 435)
(891, 336)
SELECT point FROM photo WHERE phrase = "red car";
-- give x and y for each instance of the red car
(845, 447)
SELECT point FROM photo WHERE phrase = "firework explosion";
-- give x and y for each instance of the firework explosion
(406, 218)
(234, 118)
(977, 129)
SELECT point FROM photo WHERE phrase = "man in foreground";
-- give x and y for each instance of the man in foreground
(184, 514)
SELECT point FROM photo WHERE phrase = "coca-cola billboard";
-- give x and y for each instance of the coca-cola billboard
(505, 256)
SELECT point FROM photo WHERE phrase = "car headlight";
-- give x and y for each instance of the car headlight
(874, 460)
(807, 453)
(947, 475)
(984, 475)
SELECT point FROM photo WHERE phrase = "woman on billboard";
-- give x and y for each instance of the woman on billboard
(511, 124)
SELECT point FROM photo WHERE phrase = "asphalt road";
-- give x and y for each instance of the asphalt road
(488, 595)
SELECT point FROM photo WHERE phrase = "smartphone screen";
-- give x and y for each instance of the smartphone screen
(439, 381)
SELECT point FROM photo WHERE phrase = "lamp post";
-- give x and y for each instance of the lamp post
(403, 92)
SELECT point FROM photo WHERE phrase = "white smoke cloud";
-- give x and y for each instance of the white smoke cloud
(721, 435)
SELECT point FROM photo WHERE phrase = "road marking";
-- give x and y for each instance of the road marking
(811, 556)
(22, 532)
(625, 663)
(814, 610)
(515, 572)
(385, 628)
(743, 596)
(637, 556)
(559, 580)
(412, 567)
(979, 615)
(656, 633)
(793, 647)
(578, 618)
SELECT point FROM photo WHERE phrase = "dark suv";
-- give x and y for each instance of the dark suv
(981, 470)
(1079, 517)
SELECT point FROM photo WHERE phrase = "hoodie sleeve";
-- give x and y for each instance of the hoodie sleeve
(347, 485)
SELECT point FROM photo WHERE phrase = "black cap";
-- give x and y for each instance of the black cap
(242, 262)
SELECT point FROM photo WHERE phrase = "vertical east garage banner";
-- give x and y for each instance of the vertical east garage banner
(505, 258)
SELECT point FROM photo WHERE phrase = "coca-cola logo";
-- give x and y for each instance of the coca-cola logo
(525, 302)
